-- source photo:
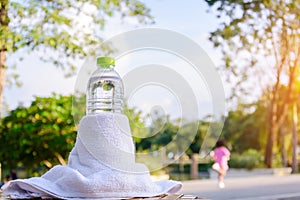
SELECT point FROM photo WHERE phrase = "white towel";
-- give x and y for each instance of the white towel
(101, 165)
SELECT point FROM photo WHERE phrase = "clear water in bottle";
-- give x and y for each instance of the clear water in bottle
(105, 91)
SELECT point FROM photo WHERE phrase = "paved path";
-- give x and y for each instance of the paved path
(265, 187)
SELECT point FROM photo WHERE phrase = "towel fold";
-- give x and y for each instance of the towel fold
(101, 165)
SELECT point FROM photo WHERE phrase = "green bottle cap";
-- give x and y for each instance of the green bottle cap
(105, 62)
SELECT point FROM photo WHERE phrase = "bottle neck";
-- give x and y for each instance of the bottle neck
(106, 67)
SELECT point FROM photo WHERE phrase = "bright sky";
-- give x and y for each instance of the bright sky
(189, 18)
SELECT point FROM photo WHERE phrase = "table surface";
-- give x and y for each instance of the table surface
(163, 197)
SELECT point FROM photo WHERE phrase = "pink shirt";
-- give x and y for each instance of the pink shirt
(221, 156)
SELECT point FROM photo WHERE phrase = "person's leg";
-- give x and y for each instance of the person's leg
(221, 173)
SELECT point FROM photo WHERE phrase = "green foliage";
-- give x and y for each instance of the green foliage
(251, 31)
(69, 29)
(159, 135)
(199, 137)
(42, 134)
(242, 130)
(137, 126)
(249, 159)
(256, 31)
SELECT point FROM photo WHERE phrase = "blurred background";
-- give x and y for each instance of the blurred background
(255, 47)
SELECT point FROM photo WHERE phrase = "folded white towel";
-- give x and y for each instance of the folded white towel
(101, 165)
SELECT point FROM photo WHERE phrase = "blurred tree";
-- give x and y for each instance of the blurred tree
(64, 30)
(195, 146)
(242, 129)
(254, 30)
(41, 135)
(137, 126)
(287, 140)
(294, 118)
(202, 130)
(158, 135)
(44, 133)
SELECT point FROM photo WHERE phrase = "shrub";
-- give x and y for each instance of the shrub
(249, 159)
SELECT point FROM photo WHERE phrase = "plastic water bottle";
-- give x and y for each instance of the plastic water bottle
(105, 90)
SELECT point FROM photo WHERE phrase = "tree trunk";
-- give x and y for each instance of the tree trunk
(277, 115)
(272, 129)
(181, 168)
(2, 77)
(294, 139)
(270, 146)
(194, 166)
(283, 147)
(0, 171)
(4, 20)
